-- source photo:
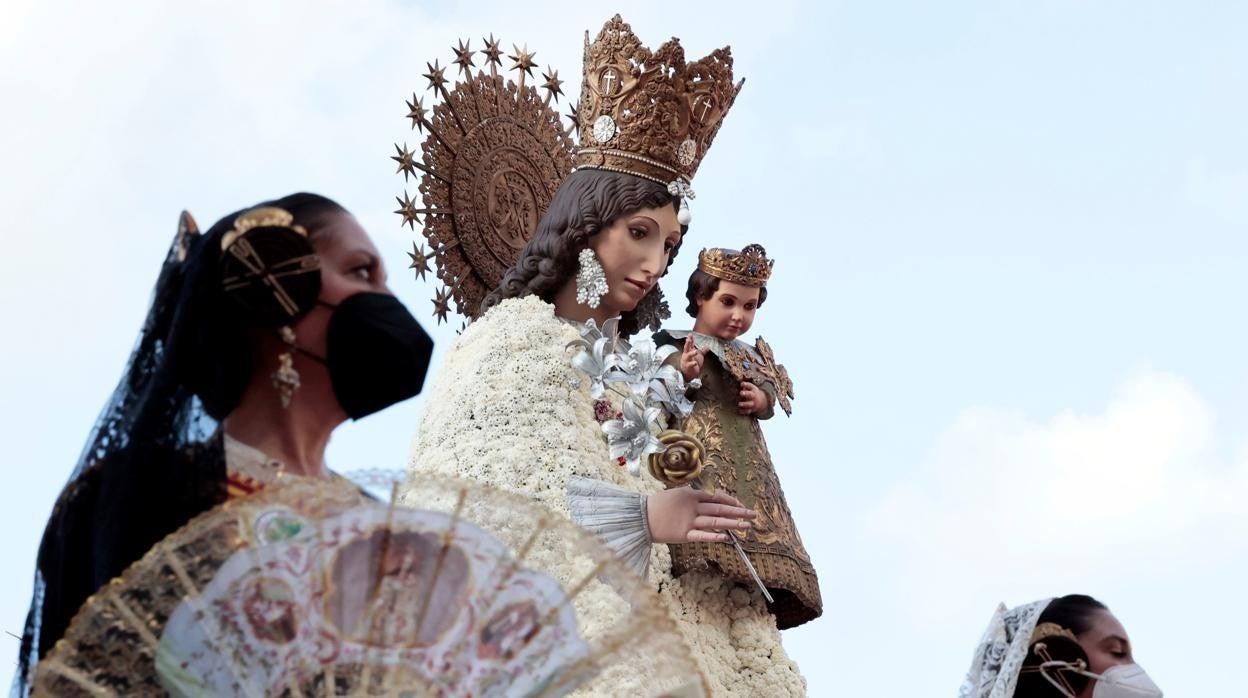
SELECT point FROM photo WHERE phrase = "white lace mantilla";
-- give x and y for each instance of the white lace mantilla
(509, 409)
(1002, 651)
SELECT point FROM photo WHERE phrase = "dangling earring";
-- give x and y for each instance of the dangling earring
(286, 378)
(683, 216)
(591, 279)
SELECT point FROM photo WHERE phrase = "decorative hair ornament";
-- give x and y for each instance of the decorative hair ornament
(1044, 631)
(1040, 638)
(685, 192)
(269, 267)
(749, 267)
(262, 217)
(591, 279)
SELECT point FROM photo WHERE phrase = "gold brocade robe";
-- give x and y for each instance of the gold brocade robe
(738, 462)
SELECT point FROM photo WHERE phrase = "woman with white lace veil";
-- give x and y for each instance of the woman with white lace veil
(1070, 647)
(541, 394)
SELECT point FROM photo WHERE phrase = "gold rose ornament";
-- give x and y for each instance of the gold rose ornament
(680, 462)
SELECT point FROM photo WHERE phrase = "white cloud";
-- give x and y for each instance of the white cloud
(1007, 501)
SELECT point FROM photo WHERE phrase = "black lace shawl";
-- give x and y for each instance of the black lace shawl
(155, 458)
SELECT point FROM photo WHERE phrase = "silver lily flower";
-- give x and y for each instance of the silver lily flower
(592, 361)
(653, 386)
(632, 437)
(669, 390)
(590, 332)
(595, 356)
(649, 377)
(642, 366)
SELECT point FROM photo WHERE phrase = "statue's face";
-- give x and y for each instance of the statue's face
(728, 313)
(634, 253)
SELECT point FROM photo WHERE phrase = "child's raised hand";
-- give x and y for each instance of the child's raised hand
(691, 359)
(752, 399)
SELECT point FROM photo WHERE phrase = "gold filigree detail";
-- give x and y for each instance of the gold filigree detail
(1044, 631)
(710, 433)
(262, 217)
(494, 154)
(760, 368)
(749, 267)
(777, 374)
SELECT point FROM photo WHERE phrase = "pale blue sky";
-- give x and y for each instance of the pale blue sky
(1010, 249)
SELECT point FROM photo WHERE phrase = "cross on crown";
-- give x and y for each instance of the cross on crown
(649, 113)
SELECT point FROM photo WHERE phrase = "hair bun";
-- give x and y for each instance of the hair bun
(1052, 643)
(268, 267)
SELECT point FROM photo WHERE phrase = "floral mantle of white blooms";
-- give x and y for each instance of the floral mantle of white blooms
(509, 408)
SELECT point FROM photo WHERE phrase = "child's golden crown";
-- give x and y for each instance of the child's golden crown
(749, 267)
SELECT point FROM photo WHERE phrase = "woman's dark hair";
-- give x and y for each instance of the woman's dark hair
(218, 361)
(1076, 613)
(587, 202)
(702, 286)
(154, 459)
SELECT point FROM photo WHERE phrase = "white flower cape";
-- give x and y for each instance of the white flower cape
(508, 408)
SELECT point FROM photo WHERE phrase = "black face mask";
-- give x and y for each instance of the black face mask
(378, 353)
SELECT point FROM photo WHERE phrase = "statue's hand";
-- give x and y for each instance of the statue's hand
(686, 515)
(752, 399)
(691, 359)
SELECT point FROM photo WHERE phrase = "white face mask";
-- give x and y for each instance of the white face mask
(1122, 681)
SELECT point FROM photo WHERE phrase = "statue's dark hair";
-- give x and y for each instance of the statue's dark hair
(587, 202)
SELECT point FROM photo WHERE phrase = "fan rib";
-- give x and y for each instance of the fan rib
(132, 619)
(447, 537)
(79, 678)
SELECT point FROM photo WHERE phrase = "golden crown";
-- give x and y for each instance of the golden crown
(749, 267)
(647, 113)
